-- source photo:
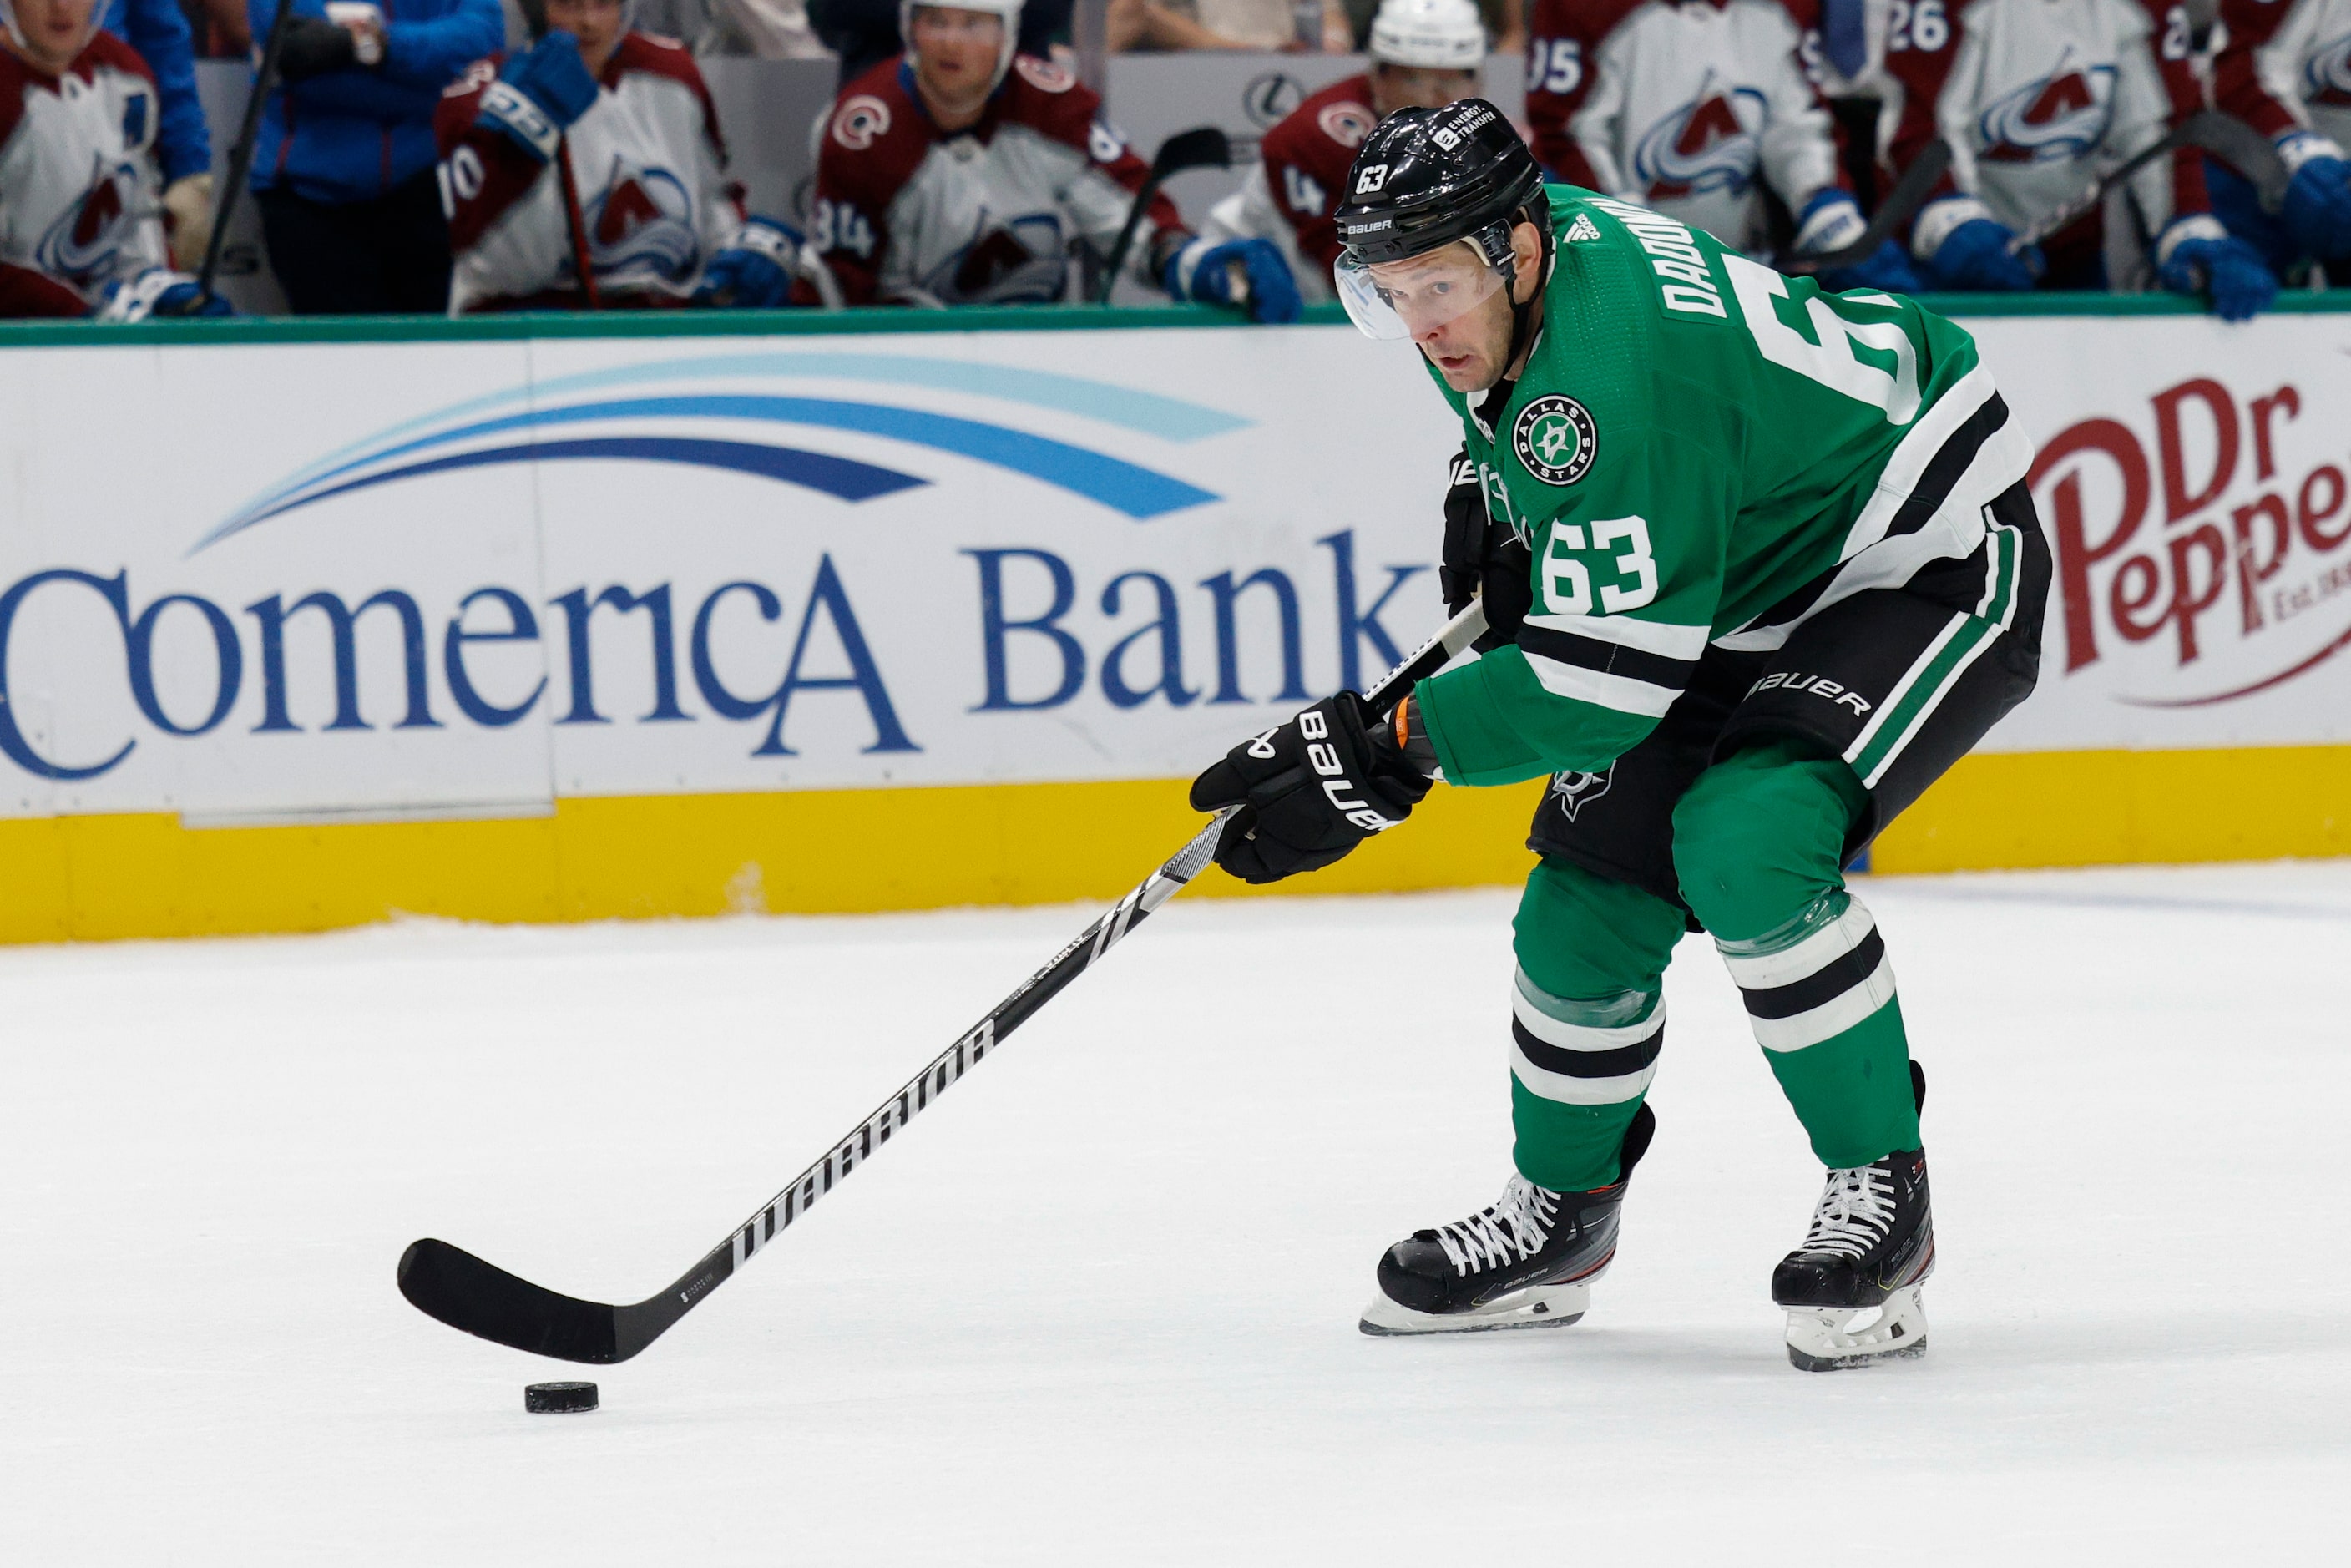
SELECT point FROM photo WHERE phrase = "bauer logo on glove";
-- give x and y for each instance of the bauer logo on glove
(1310, 790)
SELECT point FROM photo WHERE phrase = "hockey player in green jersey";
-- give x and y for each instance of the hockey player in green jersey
(1759, 565)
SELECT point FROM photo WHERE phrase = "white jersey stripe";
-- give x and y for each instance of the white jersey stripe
(1617, 692)
(1908, 464)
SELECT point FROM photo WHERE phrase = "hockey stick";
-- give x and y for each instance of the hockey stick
(240, 157)
(1908, 194)
(581, 263)
(2223, 135)
(1202, 147)
(462, 1291)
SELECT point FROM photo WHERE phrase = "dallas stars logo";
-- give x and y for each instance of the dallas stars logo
(1556, 440)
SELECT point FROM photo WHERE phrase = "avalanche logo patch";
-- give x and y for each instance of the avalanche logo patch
(860, 121)
(1556, 440)
(1043, 75)
(1346, 123)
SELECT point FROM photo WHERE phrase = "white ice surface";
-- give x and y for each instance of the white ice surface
(1099, 1307)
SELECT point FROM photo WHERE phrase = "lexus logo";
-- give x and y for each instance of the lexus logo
(1270, 99)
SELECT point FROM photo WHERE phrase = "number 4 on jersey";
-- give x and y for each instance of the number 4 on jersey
(1303, 192)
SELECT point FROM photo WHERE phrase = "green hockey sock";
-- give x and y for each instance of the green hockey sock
(1588, 1017)
(1757, 841)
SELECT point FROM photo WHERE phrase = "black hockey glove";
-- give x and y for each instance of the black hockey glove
(314, 47)
(1312, 789)
(1483, 560)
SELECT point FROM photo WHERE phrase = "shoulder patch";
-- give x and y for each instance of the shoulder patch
(1043, 75)
(860, 122)
(1582, 228)
(1556, 439)
(1346, 123)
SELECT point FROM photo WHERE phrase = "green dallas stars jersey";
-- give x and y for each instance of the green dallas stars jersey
(1702, 450)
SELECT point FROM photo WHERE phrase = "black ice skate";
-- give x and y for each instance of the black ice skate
(1852, 1288)
(1526, 1260)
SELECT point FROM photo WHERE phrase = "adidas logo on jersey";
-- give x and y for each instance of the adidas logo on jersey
(1582, 228)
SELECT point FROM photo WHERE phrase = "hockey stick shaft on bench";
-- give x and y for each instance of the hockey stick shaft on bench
(2207, 129)
(465, 1292)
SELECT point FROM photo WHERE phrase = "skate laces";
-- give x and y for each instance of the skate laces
(1856, 1211)
(1514, 1226)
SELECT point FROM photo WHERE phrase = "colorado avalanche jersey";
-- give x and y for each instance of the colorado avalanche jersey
(2287, 64)
(79, 185)
(907, 212)
(652, 174)
(2037, 100)
(1679, 105)
(1289, 195)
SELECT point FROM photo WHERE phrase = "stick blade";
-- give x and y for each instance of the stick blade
(482, 1299)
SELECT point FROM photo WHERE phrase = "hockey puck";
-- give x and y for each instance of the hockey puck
(558, 1399)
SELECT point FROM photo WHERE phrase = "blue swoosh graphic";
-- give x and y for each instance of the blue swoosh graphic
(841, 476)
(1140, 493)
(1146, 414)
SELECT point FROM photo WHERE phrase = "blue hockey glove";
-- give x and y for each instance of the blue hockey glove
(754, 270)
(1202, 272)
(1831, 221)
(158, 291)
(2197, 255)
(1974, 255)
(539, 92)
(2317, 194)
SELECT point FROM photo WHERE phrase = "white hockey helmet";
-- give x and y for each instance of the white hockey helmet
(1007, 11)
(1435, 34)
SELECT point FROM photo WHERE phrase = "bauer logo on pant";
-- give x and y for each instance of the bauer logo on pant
(1556, 440)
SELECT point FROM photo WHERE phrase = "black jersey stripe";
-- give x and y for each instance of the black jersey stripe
(1614, 1064)
(1948, 466)
(1607, 658)
(1822, 986)
(1943, 474)
(1797, 604)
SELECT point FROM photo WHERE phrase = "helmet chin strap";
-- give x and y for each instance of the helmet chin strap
(1522, 315)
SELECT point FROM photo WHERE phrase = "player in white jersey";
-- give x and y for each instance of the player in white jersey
(1424, 55)
(2037, 100)
(2285, 70)
(1693, 108)
(81, 228)
(960, 173)
(658, 218)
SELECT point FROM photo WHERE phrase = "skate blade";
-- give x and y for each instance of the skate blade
(1536, 1307)
(1828, 1339)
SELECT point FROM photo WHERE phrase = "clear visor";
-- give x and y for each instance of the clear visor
(1392, 300)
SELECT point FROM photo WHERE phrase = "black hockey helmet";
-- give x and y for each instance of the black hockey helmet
(1424, 179)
